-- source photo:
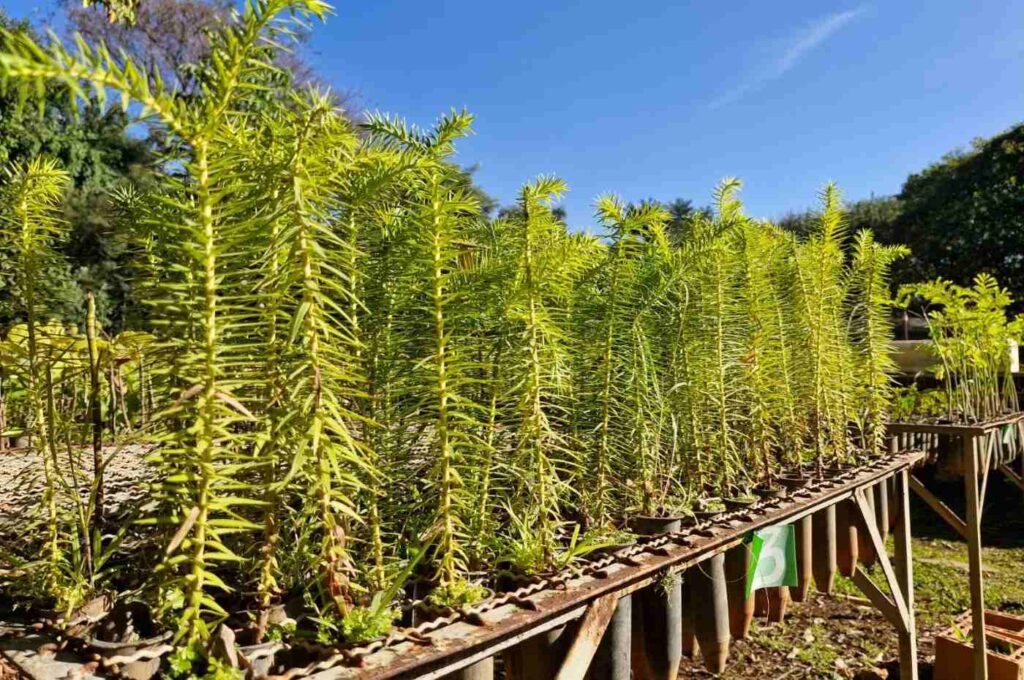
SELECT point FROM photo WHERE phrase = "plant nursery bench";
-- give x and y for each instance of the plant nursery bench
(586, 601)
(972, 451)
(587, 607)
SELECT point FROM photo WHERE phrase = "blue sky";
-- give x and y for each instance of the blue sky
(663, 99)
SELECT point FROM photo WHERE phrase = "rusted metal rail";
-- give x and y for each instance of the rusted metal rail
(445, 646)
(956, 429)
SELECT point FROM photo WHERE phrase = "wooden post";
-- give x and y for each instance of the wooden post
(905, 575)
(898, 601)
(1020, 450)
(970, 451)
(898, 608)
(1012, 476)
(589, 635)
(991, 444)
(613, 660)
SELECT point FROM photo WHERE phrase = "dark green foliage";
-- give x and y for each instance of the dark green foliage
(95, 149)
(961, 216)
(965, 215)
(879, 214)
(681, 216)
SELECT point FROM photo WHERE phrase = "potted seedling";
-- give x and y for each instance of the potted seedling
(338, 353)
(740, 498)
(523, 551)
(971, 337)
(128, 628)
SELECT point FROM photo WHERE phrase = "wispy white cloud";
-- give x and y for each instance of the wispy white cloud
(802, 43)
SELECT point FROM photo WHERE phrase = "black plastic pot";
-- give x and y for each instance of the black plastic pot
(258, 660)
(741, 607)
(865, 549)
(298, 653)
(711, 612)
(647, 525)
(613, 659)
(847, 548)
(540, 656)
(766, 494)
(703, 516)
(688, 635)
(835, 470)
(126, 629)
(733, 504)
(481, 670)
(136, 670)
(823, 560)
(657, 615)
(882, 509)
(417, 591)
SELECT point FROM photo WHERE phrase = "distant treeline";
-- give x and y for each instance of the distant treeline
(961, 216)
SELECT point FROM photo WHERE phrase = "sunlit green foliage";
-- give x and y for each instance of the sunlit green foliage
(872, 335)
(354, 372)
(971, 336)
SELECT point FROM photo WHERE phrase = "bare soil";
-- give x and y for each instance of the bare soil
(824, 637)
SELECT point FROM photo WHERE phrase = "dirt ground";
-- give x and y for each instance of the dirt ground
(844, 637)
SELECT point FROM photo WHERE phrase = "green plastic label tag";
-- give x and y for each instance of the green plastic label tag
(772, 558)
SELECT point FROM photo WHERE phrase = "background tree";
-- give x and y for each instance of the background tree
(877, 213)
(681, 214)
(117, 10)
(961, 216)
(168, 37)
(965, 215)
(98, 154)
(101, 152)
(171, 38)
